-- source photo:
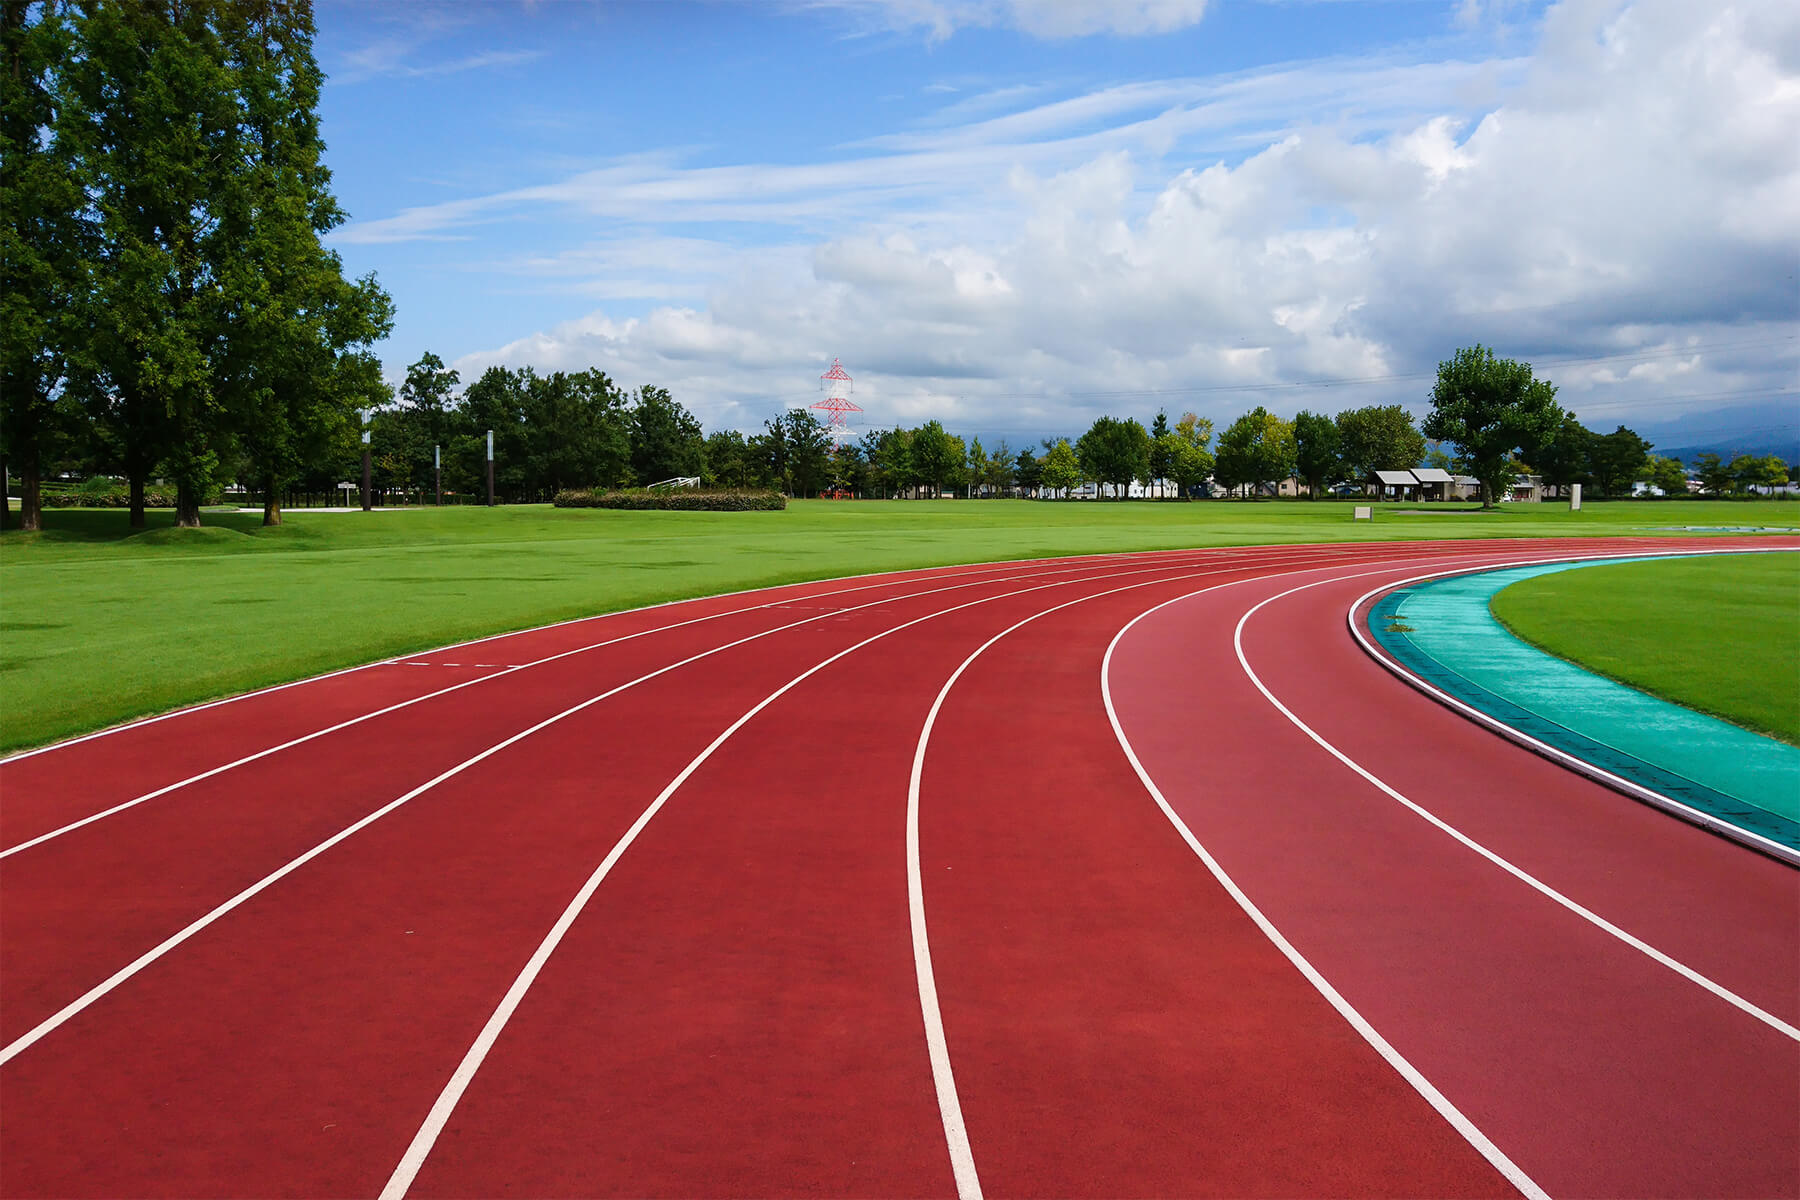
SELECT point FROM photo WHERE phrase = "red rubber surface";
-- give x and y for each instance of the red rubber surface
(736, 1010)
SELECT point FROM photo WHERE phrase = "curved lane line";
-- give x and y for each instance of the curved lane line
(1682, 969)
(1512, 1171)
(962, 1159)
(100, 990)
(1631, 788)
(413, 1160)
(956, 1135)
(369, 716)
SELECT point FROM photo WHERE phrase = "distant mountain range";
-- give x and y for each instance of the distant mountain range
(1767, 428)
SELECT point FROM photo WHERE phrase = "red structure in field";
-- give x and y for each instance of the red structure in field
(837, 385)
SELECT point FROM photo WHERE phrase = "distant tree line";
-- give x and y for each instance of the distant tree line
(168, 308)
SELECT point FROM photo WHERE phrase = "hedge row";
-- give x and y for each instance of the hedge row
(681, 499)
(118, 499)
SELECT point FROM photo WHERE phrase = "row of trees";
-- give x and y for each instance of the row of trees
(168, 308)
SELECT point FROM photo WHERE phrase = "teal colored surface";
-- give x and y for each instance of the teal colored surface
(1455, 642)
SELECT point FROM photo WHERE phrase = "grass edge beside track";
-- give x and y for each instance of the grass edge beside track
(1585, 618)
(158, 622)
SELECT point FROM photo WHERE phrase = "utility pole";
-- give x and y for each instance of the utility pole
(437, 472)
(490, 468)
(368, 478)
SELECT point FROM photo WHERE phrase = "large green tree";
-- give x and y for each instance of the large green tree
(666, 440)
(1160, 448)
(1060, 469)
(1258, 448)
(1380, 437)
(44, 244)
(1750, 471)
(1190, 462)
(1115, 452)
(153, 112)
(1490, 409)
(1666, 475)
(937, 456)
(427, 400)
(1315, 450)
(292, 361)
(1567, 455)
(1619, 460)
(1027, 470)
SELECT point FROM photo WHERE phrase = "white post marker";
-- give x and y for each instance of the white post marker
(1363, 513)
(1574, 497)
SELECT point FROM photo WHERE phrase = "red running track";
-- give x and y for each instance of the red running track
(1082, 877)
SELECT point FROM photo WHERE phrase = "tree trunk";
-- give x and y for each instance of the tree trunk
(136, 476)
(5, 494)
(272, 504)
(187, 507)
(31, 496)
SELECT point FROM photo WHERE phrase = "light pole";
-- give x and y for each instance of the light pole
(437, 472)
(367, 503)
(490, 468)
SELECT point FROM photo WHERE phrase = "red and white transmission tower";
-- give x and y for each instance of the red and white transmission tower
(837, 386)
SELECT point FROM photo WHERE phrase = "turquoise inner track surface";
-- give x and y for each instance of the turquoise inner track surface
(1454, 642)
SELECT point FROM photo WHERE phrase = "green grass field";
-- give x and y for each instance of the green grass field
(97, 626)
(1721, 635)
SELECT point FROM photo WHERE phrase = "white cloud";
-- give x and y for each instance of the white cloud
(1039, 18)
(1627, 214)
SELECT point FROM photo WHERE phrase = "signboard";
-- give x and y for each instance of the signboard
(1363, 513)
(1574, 497)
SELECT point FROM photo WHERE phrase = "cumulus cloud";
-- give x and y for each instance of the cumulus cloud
(1626, 214)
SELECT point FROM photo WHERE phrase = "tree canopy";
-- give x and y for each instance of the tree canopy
(1490, 409)
(1258, 448)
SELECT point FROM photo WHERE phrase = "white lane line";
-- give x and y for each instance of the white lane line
(947, 571)
(1438, 1101)
(1618, 783)
(420, 1148)
(100, 990)
(445, 691)
(956, 1134)
(1586, 914)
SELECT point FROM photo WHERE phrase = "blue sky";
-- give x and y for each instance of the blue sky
(1017, 214)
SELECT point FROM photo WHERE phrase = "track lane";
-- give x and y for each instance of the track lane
(1600, 1071)
(294, 968)
(147, 872)
(777, 918)
(49, 787)
(1119, 1027)
(481, 860)
(1735, 917)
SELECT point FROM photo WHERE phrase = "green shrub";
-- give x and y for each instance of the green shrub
(89, 495)
(676, 499)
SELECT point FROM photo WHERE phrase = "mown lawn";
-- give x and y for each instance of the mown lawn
(98, 625)
(1719, 634)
